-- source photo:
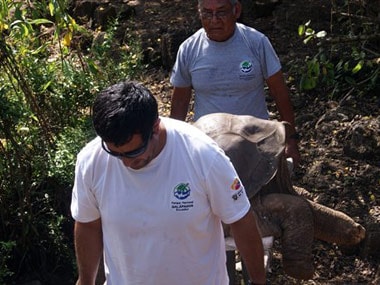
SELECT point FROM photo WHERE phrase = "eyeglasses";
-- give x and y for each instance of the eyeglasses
(208, 15)
(128, 154)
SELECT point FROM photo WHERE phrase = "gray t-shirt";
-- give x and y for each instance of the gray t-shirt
(227, 76)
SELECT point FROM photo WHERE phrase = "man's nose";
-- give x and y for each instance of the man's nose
(128, 162)
(215, 16)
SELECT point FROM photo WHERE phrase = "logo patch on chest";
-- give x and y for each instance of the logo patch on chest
(246, 66)
(181, 192)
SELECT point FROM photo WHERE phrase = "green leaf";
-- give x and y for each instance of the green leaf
(315, 68)
(301, 30)
(41, 48)
(346, 66)
(309, 31)
(40, 21)
(358, 67)
(34, 117)
(46, 86)
(305, 41)
(16, 23)
(25, 30)
(92, 66)
(308, 83)
(51, 9)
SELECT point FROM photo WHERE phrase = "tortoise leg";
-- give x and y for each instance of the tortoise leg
(335, 227)
(331, 225)
(295, 219)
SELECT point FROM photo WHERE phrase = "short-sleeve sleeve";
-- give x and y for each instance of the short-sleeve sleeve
(227, 195)
(84, 207)
(180, 75)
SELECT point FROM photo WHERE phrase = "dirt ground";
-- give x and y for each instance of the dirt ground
(340, 138)
(344, 182)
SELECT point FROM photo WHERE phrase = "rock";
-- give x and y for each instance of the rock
(363, 139)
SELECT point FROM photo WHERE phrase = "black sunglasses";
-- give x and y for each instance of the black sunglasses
(129, 154)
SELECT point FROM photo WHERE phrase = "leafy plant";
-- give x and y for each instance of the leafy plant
(5, 254)
(47, 85)
(338, 67)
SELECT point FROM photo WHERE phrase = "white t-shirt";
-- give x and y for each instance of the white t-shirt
(227, 76)
(162, 223)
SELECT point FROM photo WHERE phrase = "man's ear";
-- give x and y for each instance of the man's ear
(156, 126)
(237, 10)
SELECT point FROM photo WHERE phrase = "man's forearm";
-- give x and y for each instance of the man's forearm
(180, 103)
(88, 249)
(280, 92)
(253, 257)
(249, 244)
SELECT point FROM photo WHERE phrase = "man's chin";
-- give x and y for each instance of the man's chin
(139, 164)
(215, 36)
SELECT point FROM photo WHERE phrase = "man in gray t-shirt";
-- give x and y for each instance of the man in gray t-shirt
(227, 64)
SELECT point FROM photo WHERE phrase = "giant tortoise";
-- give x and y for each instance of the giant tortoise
(256, 149)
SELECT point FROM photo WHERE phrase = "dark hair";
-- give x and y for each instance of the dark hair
(122, 110)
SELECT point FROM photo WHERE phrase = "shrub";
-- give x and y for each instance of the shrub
(46, 91)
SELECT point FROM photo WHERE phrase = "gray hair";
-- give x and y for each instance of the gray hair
(233, 2)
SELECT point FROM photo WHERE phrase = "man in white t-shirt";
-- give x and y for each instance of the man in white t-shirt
(227, 64)
(150, 194)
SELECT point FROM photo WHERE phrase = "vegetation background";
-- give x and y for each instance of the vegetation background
(54, 58)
